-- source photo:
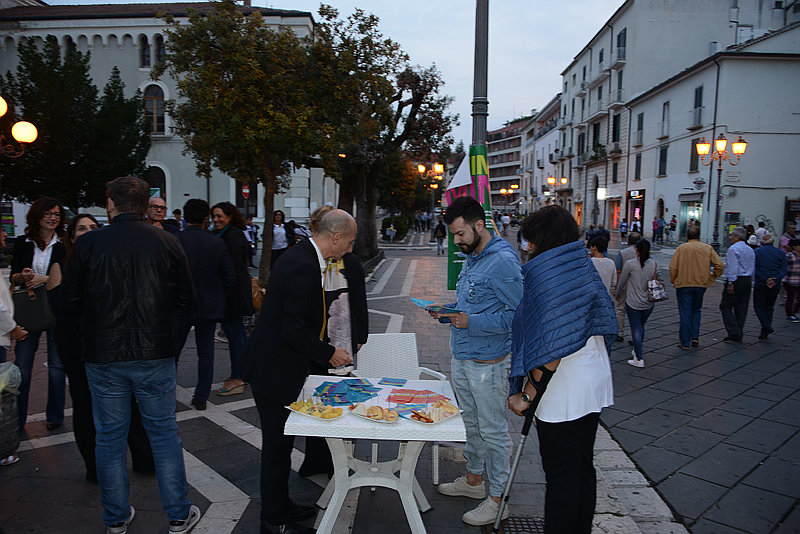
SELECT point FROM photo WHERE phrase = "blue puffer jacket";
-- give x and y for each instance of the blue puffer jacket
(564, 304)
(489, 289)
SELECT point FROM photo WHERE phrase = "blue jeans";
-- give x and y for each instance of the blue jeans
(637, 318)
(764, 303)
(153, 384)
(204, 340)
(482, 391)
(56, 378)
(234, 331)
(690, 302)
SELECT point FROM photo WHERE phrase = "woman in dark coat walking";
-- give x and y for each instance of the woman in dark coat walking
(229, 225)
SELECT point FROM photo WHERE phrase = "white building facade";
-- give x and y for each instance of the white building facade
(638, 48)
(132, 38)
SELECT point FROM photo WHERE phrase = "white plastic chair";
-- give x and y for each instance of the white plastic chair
(395, 356)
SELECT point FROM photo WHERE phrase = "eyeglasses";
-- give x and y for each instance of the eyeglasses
(51, 215)
(156, 207)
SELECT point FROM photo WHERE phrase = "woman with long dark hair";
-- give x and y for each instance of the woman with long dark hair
(633, 284)
(282, 236)
(35, 255)
(230, 226)
(561, 330)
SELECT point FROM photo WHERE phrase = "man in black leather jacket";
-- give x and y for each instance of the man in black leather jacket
(127, 282)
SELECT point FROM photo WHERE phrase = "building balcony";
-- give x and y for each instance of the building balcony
(616, 150)
(602, 74)
(616, 98)
(618, 58)
(638, 137)
(663, 130)
(570, 153)
(695, 119)
(564, 122)
(596, 110)
(553, 157)
(581, 161)
(540, 163)
(581, 90)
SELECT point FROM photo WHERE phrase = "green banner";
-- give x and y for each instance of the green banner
(480, 191)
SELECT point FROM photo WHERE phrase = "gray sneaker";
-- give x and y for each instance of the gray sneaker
(460, 488)
(121, 528)
(187, 524)
(484, 514)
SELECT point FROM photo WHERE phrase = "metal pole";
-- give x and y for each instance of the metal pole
(480, 102)
(715, 244)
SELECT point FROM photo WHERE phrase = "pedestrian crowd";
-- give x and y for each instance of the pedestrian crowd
(533, 339)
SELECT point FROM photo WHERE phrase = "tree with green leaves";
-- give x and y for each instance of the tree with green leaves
(84, 139)
(400, 115)
(246, 99)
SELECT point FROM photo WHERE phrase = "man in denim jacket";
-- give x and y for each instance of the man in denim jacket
(489, 290)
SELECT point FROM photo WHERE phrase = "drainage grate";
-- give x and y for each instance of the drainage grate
(519, 525)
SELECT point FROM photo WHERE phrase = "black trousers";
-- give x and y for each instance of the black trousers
(567, 458)
(734, 307)
(276, 461)
(764, 303)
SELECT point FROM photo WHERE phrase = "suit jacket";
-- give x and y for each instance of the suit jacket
(286, 339)
(212, 270)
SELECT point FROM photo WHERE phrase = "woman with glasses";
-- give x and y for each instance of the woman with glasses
(37, 256)
(229, 225)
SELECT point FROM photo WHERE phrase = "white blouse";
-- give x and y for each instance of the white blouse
(41, 258)
(279, 240)
(581, 385)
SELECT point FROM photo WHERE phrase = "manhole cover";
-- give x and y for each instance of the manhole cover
(520, 525)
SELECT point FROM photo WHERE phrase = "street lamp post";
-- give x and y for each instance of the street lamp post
(435, 176)
(719, 154)
(23, 132)
(512, 189)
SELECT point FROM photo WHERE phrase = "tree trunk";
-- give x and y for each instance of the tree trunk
(366, 196)
(266, 235)
(346, 196)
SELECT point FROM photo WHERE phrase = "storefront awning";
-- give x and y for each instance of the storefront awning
(690, 197)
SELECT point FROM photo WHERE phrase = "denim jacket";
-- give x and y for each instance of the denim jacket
(489, 290)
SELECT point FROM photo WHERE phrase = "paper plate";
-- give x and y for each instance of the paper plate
(382, 421)
(319, 418)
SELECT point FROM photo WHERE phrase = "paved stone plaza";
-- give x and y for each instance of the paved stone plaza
(707, 437)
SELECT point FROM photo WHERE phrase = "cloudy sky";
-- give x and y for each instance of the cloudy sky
(530, 44)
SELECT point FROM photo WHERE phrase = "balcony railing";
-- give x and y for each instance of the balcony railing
(663, 130)
(616, 98)
(618, 60)
(638, 136)
(695, 119)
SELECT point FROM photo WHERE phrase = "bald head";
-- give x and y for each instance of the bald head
(336, 234)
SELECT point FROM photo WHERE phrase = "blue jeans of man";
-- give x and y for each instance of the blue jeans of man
(24, 352)
(153, 384)
(204, 340)
(637, 318)
(235, 332)
(690, 302)
(764, 303)
(482, 392)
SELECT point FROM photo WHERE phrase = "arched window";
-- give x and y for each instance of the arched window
(158, 182)
(161, 50)
(144, 52)
(154, 109)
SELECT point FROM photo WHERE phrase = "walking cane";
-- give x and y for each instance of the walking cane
(526, 427)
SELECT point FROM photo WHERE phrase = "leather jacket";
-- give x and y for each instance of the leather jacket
(127, 282)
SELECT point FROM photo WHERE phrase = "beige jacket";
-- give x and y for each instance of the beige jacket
(694, 264)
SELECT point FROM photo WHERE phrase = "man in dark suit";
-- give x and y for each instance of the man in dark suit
(284, 343)
(213, 275)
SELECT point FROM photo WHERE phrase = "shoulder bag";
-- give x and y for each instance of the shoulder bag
(32, 310)
(656, 292)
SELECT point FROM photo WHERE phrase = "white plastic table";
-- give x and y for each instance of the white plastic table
(396, 474)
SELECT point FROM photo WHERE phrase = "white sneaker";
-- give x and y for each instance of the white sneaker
(636, 363)
(187, 524)
(460, 488)
(484, 514)
(121, 528)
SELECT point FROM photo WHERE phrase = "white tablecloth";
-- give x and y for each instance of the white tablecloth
(350, 426)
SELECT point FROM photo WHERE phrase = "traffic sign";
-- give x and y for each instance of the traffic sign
(245, 191)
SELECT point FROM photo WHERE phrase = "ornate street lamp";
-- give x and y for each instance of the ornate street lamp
(434, 175)
(23, 132)
(719, 154)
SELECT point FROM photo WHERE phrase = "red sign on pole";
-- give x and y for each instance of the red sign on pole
(245, 191)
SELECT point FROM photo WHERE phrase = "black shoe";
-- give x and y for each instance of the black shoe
(286, 528)
(733, 339)
(765, 332)
(200, 405)
(630, 342)
(695, 342)
(619, 339)
(300, 512)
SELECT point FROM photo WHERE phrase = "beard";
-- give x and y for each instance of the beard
(469, 248)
